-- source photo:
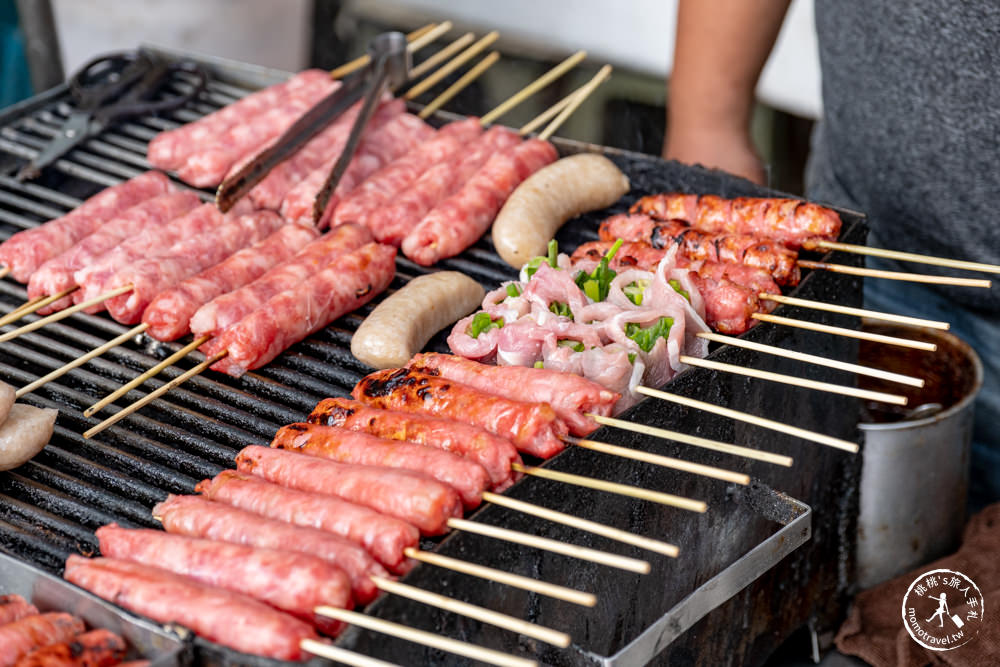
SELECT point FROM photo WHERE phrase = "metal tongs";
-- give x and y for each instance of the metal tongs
(389, 69)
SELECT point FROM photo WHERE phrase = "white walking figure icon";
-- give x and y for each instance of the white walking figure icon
(941, 610)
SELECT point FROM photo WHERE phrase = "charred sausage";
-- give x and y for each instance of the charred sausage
(492, 452)
(534, 428)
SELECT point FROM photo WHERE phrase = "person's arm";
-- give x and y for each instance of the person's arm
(721, 47)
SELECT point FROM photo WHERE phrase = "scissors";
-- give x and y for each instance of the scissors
(110, 88)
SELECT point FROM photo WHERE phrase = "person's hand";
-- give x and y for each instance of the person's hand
(732, 152)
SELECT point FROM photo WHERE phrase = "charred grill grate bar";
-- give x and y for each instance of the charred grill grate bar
(51, 506)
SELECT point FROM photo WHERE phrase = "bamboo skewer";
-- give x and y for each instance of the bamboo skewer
(909, 257)
(582, 95)
(341, 655)
(535, 86)
(895, 275)
(427, 37)
(420, 32)
(844, 390)
(499, 576)
(34, 305)
(79, 361)
(665, 461)
(850, 333)
(423, 637)
(16, 312)
(805, 434)
(541, 633)
(745, 452)
(142, 377)
(442, 55)
(813, 359)
(64, 313)
(458, 86)
(4, 271)
(452, 65)
(601, 529)
(612, 487)
(180, 379)
(548, 114)
(858, 312)
(414, 38)
(546, 544)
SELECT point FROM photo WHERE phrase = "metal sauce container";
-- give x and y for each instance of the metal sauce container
(915, 475)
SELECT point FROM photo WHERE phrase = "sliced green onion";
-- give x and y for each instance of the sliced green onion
(597, 283)
(634, 291)
(482, 322)
(680, 290)
(646, 337)
(560, 308)
(532, 266)
(576, 345)
(631, 357)
(539, 364)
(513, 289)
(592, 288)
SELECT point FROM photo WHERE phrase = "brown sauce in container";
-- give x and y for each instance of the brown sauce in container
(949, 374)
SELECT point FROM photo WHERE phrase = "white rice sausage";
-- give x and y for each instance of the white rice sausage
(7, 397)
(552, 195)
(400, 326)
(25, 432)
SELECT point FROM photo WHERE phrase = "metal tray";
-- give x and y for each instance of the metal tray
(145, 639)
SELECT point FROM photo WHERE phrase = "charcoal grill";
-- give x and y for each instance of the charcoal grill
(742, 582)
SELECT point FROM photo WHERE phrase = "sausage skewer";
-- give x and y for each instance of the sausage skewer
(23, 253)
(305, 580)
(297, 436)
(213, 308)
(228, 618)
(347, 283)
(128, 291)
(737, 278)
(793, 222)
(423, 501)
(197, 517)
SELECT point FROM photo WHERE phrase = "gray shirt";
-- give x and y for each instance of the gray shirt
(911, 131)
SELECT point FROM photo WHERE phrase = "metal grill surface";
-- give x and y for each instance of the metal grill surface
(50, 506)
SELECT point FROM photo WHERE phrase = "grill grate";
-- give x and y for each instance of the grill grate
(50, 506)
